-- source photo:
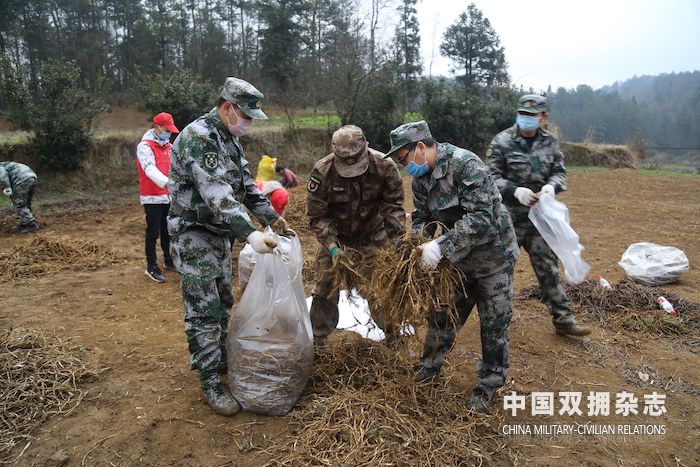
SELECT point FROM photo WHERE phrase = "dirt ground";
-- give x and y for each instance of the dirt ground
(145, 407)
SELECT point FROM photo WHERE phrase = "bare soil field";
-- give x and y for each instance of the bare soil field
(143, 406)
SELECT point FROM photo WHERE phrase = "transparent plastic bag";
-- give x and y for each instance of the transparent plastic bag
(270, 342)
(551, 218)
(652, 264)
(246, 262)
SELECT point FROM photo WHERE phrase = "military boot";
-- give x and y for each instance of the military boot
(480, 399)
(424, 373)
(571, 329)
(219, 397)
(31, 227)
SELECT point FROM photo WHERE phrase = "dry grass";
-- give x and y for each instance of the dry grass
(399, 290)
(295, 213)
(600, 155)
(362, 407)
(632, 307)
(39, 379)
(48, 254)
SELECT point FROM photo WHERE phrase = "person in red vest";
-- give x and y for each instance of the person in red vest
(153, 164)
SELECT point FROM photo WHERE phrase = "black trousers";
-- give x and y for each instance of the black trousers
(156, 225)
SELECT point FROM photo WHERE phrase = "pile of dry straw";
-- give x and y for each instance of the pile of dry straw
(39, 379)
(631, 307)
(47, 254)
(362, 407)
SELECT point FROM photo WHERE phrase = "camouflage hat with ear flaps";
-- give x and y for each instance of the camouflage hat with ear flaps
(350, 149)
(532, 103)
(408, 133)
(245, 96)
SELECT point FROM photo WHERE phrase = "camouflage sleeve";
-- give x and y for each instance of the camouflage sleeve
(496, 161)
(255, 201)
(321, 223)
(216, 192)
(392, 209)
(476, 194)
(421, 216)
(557, 174)
(4, 178)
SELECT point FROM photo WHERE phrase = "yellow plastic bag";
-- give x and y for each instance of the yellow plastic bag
(266, 168)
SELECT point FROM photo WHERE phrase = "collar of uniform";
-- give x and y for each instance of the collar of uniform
(516, 134)
(213, 118)
(441, 161)
(520, 138)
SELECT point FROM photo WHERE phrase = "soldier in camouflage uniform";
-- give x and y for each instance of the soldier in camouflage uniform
(452, 186)
(210, 186)
(18, 182)
(525, 160)
(355, 200)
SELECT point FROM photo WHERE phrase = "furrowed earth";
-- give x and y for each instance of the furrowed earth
(143, 405)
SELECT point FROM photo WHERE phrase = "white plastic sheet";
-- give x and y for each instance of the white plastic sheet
(652, 264)
(270, 342)
(551, 218)
(354, 315)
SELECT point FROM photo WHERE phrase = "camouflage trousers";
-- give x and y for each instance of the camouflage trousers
(22, 194)
(324, 306)
(546, 266)
(203, 260)
(493, 296)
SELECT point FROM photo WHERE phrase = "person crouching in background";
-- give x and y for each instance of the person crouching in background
(153, 164)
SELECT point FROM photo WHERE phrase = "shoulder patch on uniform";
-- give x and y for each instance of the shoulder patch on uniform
(313, 185)
(211, 160)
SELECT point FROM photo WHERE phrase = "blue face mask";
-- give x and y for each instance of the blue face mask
(527, 122)
(415, 170)
(164, 136)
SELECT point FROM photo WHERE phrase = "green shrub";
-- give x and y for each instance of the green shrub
(59, 113)
(181, 93)
(412, 117)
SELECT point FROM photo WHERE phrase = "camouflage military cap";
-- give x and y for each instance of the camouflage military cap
(408, 133)
(350, 148)
(245, 96)
(532, 103)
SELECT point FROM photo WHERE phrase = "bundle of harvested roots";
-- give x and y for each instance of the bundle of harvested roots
(399, 290)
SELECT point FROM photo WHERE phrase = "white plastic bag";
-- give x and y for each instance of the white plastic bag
(652, 264)
(551, 218)
(270, 342)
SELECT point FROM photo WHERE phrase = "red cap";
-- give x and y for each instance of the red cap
(279, 199)
(166, 120)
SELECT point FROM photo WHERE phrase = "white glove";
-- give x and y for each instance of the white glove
(7, 191)
(547, 190)
(261, 243)
(525, 195)
(431, 254)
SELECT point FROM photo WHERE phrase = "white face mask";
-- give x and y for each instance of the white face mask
(241, 127)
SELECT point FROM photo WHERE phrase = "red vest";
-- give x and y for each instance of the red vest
(162, 153)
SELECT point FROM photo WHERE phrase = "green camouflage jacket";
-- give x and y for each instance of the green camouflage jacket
(461, 194)
(514, 164)
(210, 182)
(12, 173)
(357, 211)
